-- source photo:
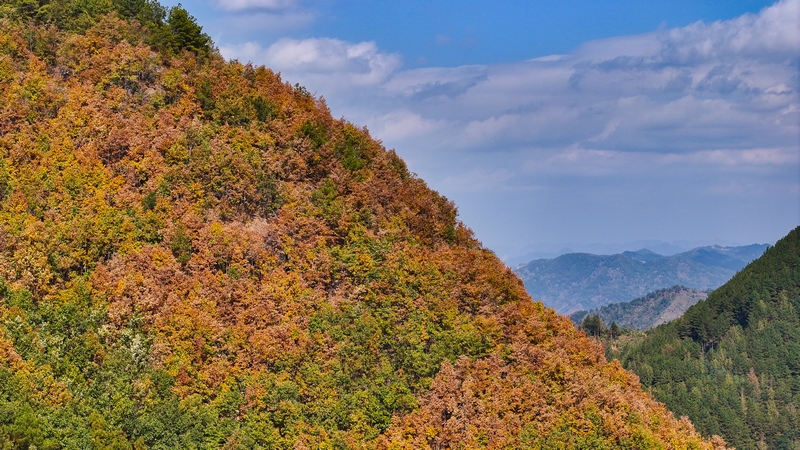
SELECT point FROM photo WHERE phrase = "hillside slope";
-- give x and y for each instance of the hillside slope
(195, 254)
(653, 309)
(732, 362)
(582, 281)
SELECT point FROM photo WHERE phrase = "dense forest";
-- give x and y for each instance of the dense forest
(195, 254)
(732, 362)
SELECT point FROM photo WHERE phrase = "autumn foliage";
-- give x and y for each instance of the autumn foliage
(195, 254)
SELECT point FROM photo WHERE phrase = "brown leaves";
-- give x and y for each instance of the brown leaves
(255, 241)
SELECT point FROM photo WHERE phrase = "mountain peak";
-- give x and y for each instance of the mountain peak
(592, 281)
(642, 255)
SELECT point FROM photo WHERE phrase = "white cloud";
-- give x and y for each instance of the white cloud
(776, 30)
(604, 163)
(428, 83)
(244, 5)
(404, 124)
(249, 51)
(358, 64)
(330, 55)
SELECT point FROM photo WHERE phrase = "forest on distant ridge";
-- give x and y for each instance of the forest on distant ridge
(655, 308)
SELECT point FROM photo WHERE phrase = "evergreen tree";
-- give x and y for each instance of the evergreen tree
(614, 330)
(732, 362)
(593, 325)
(185, 33)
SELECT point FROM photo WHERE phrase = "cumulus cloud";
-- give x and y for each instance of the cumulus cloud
(406, 124)
(772, 32)
(727, 84)
(322, 60)
(331, 55)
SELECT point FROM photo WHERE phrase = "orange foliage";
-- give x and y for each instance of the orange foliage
(258, 242)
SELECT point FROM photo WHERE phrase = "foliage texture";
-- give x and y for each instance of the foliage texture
(732, 362)
(195, 254)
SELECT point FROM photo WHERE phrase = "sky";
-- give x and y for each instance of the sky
(580, 125)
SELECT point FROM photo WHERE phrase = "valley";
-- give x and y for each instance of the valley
(731, 363)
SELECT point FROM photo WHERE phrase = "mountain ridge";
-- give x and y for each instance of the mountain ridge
(585, 281)
(655, 308)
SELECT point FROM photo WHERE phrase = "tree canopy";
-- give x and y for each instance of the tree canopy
(195, 254)
(732, 362)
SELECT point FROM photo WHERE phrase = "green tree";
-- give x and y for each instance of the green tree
(614, 330)
(593, 325)
(185, 33)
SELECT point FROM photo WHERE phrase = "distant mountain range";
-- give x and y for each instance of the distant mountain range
(514, 255)
(583, 281)
(653, 309)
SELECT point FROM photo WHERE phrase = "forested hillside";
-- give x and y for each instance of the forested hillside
(653, 309)
(732, 362)
(195, 254)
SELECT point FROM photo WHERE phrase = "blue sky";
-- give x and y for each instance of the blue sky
(562, 124)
